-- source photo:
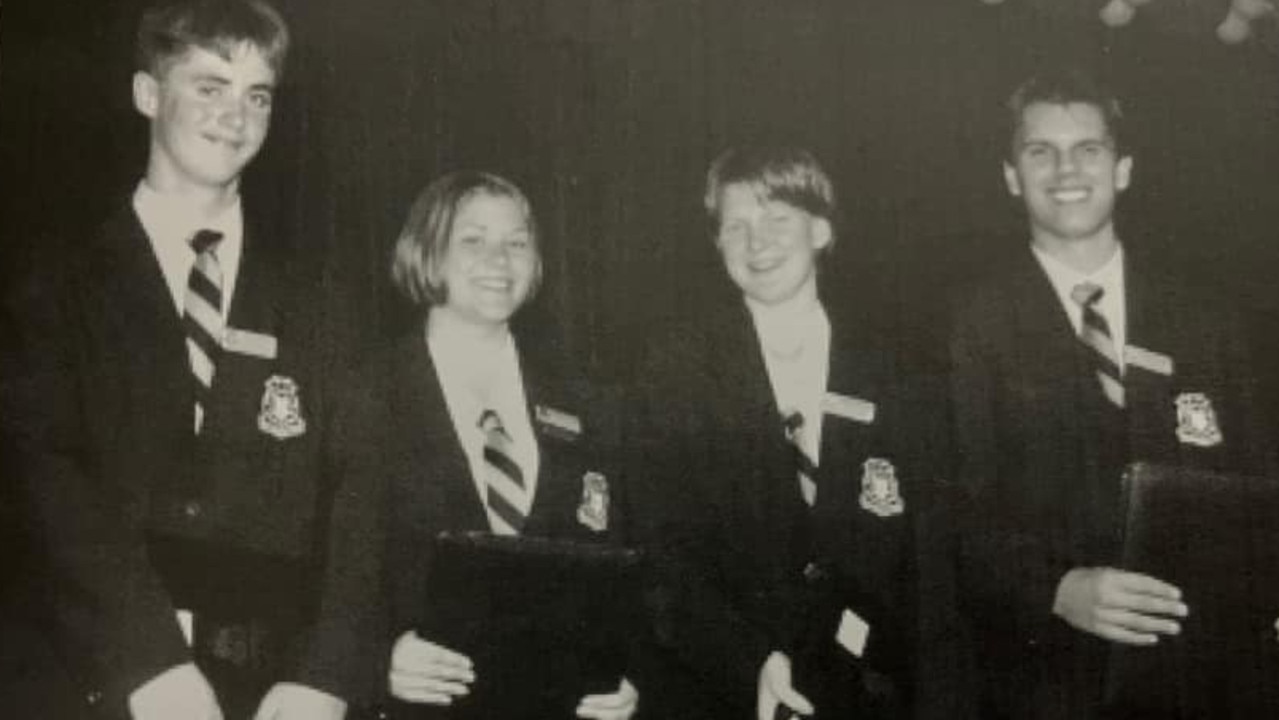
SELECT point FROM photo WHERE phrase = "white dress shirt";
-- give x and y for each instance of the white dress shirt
(1109, 277)
(170, 224)
(796, 346)
(474, 380)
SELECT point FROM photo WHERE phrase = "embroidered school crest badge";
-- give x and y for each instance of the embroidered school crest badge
(1197, 421)
(593, 510)
(281, 411)
(880, 494)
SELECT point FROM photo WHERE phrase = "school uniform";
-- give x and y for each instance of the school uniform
(139, 515)
(1043, 451)
(406, 454)
(746, 565)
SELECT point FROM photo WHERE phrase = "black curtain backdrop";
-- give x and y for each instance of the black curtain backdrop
(608, 111)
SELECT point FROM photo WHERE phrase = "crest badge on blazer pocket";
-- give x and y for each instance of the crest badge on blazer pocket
(593, 510)
(880, 492)
(280, 415)
(1197, 420)
(557, 423)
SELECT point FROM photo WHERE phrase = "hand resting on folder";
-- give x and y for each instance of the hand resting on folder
(1120, 606)
(424, 672)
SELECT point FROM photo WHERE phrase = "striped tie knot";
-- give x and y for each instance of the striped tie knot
(1094, 332)
(1087, 294)
(505, 495)
(205, 241)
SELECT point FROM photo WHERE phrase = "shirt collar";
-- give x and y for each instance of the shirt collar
(1064, 278)
(170, 221)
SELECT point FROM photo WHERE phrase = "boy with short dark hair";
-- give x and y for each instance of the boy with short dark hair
(1067, 366)
(169, 395)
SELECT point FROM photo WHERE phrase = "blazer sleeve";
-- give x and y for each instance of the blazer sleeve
(1007, 570)
(675, 520)
(347, 651)
(112, 616)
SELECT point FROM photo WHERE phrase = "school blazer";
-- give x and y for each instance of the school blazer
(1042, 452)
(404, 478)
(746, 566)
(135, 514)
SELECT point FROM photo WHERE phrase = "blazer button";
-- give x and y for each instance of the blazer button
(93, 698)
(192, 509)
(814, 572)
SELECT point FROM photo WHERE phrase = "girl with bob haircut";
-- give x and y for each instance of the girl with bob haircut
(464, 424)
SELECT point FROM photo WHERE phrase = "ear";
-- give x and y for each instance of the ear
(822, 233)
(1012, 180)
(1123, 173)
(146, 93)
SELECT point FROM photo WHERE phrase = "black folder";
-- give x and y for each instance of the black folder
(544, 621)
(1216, 537)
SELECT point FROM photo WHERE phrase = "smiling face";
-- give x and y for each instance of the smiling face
(209, 116)
(489, 267)
(1066, 169)
(769, 246)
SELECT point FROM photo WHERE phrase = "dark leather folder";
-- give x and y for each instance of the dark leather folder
(1216, 537)
(545, 622)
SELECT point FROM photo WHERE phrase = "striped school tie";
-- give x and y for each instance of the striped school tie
(504, 490)
(805, 468)
(1094, 331)
(202, 317)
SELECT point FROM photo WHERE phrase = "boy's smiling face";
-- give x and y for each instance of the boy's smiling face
(209, 116)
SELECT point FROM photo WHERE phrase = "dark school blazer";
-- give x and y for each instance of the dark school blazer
(1042, 454)
(134, 514)
(403, 478)
(747, 566)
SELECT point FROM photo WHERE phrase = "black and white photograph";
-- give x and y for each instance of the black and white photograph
(639, 359)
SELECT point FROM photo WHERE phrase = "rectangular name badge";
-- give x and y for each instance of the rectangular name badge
(853, 633)
(246, 342)
(558, 422)
(1150, 360)
(846, 406)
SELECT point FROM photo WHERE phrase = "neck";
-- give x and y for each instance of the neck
(442, 322)
(1084, 256)
(200, 201)
(802, 303)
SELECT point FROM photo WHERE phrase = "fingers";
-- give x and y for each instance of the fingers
(1139, 584)
(793, 700)
(1141, 595)
(612, 706)
(1116, 633)
(419, 682)
(424, 672)
(1134, 628)
(412, 651)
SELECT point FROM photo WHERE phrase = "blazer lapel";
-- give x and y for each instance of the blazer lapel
(255, 300)
(1048, 355)
(765, 481)
(431, 443)
(1148, 393)
(138, 323)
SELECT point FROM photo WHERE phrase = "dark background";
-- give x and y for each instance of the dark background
(608, 111)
